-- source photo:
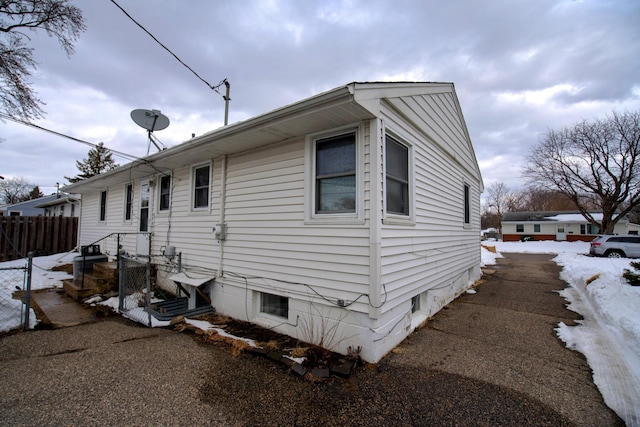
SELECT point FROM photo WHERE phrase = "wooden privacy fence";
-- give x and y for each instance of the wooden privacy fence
(42, 235)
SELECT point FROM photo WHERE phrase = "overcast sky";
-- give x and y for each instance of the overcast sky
(519, 69)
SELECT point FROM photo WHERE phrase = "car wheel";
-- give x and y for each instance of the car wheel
(615, 254)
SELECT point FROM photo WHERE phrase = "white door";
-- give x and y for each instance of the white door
(561, 234)
(143, 218)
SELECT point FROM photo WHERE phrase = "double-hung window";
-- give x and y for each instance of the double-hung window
(397, 182)
(165, 192)
(201, 182)
(335, 174)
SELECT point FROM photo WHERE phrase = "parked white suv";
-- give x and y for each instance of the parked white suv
(616, 246)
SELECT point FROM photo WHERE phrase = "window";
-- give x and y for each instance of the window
(128, 202)
(415, 304)
(61, 210)
(589, 229)
(103, 205)
(397, 177)
(536, 228)
(335, 174)
(145, 198)
(73, 210)
(274, 304)
(165, 192)
(519, 228)
(201, 187)
(467, 204)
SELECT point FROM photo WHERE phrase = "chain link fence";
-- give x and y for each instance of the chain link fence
(134, 291)
(15, 295)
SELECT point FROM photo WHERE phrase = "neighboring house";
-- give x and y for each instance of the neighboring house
(28, 208)
(67, 205)
(355, 213)
(569, 226)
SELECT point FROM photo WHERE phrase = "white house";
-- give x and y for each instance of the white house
(67, 205)
(569, 226)
(356, 210)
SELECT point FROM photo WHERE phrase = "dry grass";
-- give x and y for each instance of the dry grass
(593, 278)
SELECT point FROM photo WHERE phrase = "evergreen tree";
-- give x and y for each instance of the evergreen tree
(99, 160)
(35, 193)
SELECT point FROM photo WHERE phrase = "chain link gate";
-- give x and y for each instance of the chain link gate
(15, 297)
(134, 290)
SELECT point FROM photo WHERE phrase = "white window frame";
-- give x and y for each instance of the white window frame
(193, 187)
(170, 177)
(311, 217)
(391, 217)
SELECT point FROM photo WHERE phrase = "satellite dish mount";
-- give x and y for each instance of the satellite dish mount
(151, 120)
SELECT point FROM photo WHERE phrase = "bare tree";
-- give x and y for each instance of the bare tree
(59, 19)
(16, 190)
(498, 199)
(595, 164)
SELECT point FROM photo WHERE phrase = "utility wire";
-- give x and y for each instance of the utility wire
(210, 86)
(33, 125)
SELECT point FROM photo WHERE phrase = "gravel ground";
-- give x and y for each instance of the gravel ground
(488, 359)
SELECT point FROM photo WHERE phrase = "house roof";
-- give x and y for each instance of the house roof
(557, 216)
(341, 106)
(33, 203)
(57, 201)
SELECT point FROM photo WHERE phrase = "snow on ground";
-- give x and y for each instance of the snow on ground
(609, 335)
(11, 314)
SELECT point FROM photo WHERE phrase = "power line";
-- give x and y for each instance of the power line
(210, 86)
(91, 144)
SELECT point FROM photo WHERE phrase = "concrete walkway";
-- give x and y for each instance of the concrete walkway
(491, 358)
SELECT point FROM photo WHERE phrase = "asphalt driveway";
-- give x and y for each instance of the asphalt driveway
(491, 358)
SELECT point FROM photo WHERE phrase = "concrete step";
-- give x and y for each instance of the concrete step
(76, 291)
(106, 270)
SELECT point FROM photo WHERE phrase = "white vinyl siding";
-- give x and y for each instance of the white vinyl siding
(268, 236)
(434, 250)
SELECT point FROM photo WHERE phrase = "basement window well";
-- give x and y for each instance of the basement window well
(274, 305)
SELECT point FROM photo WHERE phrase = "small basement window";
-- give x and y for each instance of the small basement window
(415, 304)
(274, 304)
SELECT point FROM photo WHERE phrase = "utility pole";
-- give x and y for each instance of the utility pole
(226, 102)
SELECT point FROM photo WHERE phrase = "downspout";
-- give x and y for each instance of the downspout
(223, 195)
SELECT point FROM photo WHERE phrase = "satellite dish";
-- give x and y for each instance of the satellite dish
(150, 119)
